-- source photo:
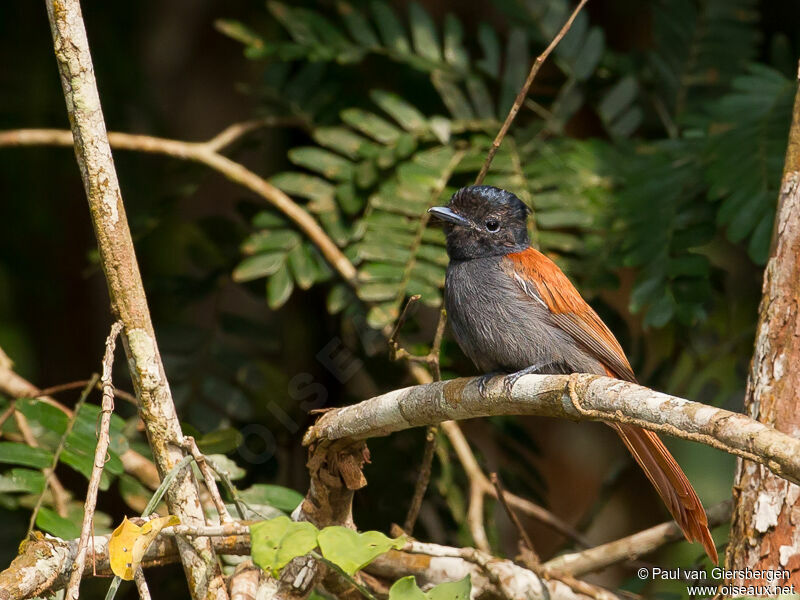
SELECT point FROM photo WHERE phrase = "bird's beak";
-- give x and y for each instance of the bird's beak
(445, 214)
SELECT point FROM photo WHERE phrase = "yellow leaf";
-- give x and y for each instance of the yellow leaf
(129, 542)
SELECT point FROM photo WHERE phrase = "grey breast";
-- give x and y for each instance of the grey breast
(500, 327)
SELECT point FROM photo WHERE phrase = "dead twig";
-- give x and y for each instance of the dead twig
(107, 408)
(523, 92)
(141, 585)
(523, 534)
(208, 476)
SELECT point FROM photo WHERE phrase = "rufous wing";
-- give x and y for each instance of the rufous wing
(541, 278)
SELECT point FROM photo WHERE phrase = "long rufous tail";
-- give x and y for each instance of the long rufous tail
(671, 484)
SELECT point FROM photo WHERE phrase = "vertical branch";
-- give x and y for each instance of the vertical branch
(126, 291)
(107, 407)
(764, 531)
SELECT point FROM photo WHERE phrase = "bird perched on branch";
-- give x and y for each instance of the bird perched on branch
(512, 310)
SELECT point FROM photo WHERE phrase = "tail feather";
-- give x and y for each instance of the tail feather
(671, 484)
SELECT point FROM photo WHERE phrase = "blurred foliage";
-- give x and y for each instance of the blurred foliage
(649, 149)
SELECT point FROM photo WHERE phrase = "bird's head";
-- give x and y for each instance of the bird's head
(481, 221)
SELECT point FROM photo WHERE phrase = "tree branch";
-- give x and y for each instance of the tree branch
(207, 153)
(576, 397)
(632, 546)
(128, 301)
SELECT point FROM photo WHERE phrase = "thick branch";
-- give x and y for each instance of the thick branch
(128, 300)
(577, 397)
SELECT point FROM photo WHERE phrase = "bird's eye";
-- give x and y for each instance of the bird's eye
(492, 225)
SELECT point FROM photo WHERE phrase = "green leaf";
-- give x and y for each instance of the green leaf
(22, 480)
(279, 287)
(406, 589)
(423, 33)
(406, 115)
(590, 54)
(47, 415)
(276, 542)
(323, 162)
(372, 125)
(271, 240)
(487, 38)
(390, 28)
(454, 52)
(258, 266)
(220, 441)
(352, 551)
(452, 96)
(223, 464)
(49, 521)
(280, 497)
(301, 264)
(516, 69)
(358, 26)
(21, 454)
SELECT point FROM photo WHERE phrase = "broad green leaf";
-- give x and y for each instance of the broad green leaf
(220, 441)
(21, 454)
(276, 542)
(49, 521)
(279, 287)
(423, 33)
(22, 480)
(352, 551)
(280, 497)
(258, 266)
(407, 589)
(47, 415)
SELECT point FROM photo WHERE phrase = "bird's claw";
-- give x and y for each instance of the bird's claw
(483, 384)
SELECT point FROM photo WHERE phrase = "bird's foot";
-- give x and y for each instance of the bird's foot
(511, 379)
(483, 383)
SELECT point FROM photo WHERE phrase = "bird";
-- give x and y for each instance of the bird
(513, 311)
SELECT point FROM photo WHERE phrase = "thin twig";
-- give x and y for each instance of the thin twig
(523, 534)
(107, 408)
(207, 154)
(208, 476)
(88, 386)
(141, 585)
(523, 92)
(422, 480)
